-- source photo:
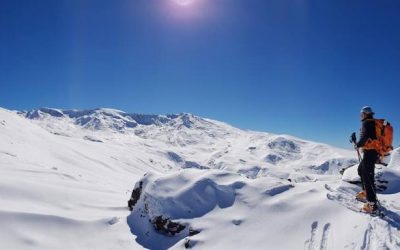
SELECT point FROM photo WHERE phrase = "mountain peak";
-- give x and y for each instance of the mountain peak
(107, 118)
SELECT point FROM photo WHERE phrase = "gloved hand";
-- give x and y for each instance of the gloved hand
(353, 138)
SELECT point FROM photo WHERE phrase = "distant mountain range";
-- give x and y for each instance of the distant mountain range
(189, 141)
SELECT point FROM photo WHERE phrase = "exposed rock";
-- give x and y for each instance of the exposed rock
(135, 196)
(166, 225)
(193, 231)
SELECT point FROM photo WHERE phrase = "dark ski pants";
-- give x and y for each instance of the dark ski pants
(366, 170)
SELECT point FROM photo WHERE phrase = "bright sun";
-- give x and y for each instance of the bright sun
(183, 2)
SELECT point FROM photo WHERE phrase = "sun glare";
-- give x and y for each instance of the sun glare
(183, 2)
(187, 9)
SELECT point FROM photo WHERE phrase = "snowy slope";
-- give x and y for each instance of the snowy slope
(66, 176)
(59, 192)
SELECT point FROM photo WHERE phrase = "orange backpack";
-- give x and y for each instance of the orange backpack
(384, 138)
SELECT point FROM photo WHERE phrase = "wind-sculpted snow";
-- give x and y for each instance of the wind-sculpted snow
(191, 195)
(184, 195)
(273, 158)
(333, 166)
(252, 172)
(174, 157)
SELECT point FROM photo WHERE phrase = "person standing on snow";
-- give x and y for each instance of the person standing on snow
(366, 169)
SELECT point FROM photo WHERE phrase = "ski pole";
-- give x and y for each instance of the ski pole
(358, 153)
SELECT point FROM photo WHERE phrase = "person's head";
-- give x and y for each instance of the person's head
(366, 112)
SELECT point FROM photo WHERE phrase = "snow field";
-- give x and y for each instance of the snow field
(66, 177)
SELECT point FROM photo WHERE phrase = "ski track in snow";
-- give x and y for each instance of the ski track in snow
(380, 235)
(7, 153)
(325, 236)
(312, 243)
(367, 238)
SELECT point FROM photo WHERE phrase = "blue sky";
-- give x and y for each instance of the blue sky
(297, 67)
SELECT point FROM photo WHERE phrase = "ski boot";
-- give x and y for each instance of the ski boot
(370, 208)
(362, 196)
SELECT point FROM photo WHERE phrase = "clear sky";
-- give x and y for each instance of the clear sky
(297, 67)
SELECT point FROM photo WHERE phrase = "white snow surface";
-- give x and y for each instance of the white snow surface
(66, 176)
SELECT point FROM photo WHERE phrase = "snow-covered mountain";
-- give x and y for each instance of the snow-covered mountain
(188, 141)
(66, 176)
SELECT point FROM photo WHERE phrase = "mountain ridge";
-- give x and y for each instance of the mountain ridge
(186, 135)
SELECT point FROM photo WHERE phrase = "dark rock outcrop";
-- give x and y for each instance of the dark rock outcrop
(135, 196)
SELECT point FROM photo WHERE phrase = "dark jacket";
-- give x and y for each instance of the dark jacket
(367, 131)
